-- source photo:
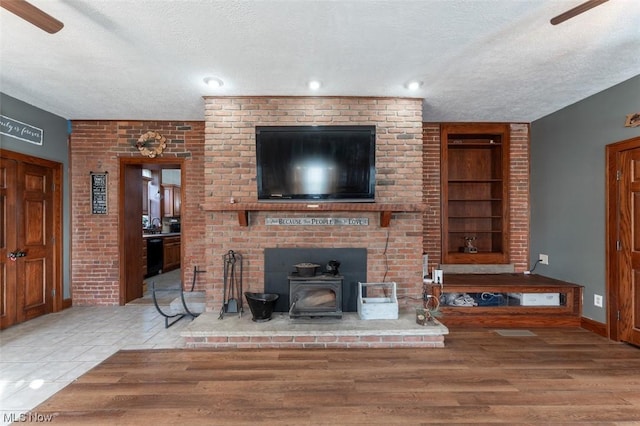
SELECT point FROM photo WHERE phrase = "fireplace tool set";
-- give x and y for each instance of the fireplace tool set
(232, 292)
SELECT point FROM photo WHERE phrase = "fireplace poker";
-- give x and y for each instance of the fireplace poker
(232, 284)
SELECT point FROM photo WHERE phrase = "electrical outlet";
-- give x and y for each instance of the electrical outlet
(544, 259)
(597, 300)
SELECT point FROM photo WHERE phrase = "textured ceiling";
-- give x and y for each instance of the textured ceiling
(480, 60)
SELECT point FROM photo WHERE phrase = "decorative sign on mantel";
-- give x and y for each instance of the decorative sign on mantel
(99, 193)
(19, 130)
(318, 221)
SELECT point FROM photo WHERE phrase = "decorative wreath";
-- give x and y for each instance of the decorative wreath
(147, 139)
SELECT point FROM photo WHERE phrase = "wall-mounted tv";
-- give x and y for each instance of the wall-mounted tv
(316, 163)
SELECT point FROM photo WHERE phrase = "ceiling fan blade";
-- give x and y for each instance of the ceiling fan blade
(581, 8)
(32, 14)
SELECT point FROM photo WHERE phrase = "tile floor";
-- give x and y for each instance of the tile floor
(41, 356)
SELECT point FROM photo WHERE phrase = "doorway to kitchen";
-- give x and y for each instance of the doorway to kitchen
(151, 199)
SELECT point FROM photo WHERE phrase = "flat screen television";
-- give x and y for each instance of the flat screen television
(316, 163)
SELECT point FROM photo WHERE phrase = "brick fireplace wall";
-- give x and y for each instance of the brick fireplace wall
(220, 163)
(394, 253)
(97, 146)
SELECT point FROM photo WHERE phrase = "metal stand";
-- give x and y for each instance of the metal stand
(178, 316)
(232, 291)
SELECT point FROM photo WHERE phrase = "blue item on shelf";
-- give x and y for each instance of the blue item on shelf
(490, 299)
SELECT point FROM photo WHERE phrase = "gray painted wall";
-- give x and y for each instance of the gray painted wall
(54, 147)
(568, 206)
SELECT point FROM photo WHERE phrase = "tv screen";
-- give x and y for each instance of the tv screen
(317, 163)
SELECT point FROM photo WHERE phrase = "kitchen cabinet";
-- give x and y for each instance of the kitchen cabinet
(172, 200)
(161, 253)
(171, 253)
(145, 195)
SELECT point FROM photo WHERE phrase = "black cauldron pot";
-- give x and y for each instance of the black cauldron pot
(306, 269)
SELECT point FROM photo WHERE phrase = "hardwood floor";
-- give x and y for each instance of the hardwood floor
(558, 376)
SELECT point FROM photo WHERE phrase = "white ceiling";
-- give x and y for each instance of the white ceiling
(480, 60)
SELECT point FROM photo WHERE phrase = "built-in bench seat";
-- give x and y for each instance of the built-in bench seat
(521, 300)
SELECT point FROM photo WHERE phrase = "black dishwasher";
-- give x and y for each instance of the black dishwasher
(154, 256)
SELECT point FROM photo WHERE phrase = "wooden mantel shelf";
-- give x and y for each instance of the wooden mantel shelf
(385, 209)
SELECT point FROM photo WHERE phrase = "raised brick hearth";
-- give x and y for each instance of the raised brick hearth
(207, 331)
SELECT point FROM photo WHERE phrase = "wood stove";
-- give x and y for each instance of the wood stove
(279, 265)
(318, 296)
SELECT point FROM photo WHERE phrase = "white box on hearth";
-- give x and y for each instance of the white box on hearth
(380, 302)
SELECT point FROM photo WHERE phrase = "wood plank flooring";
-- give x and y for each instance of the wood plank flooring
(558, 376)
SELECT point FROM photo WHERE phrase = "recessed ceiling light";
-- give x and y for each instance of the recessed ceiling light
(213, 82)
(414, 85)
(314, 85)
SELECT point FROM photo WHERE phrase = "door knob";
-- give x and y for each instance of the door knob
(13, 255)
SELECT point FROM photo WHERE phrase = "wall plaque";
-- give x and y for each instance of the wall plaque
(633, 120)
(19, 130)
(317, 221)
(99, 193)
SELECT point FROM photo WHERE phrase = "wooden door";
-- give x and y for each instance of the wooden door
(35, 270)
(8, 242)
(629, 246)
(131, 232)
(27, 198)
